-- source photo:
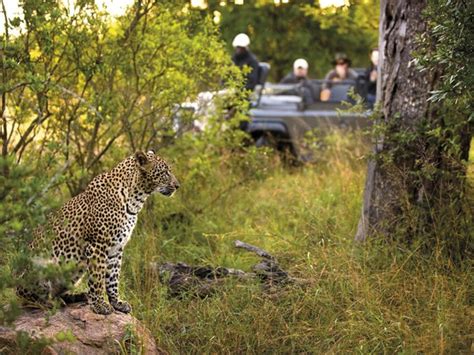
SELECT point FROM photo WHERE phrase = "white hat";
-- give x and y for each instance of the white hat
(241, 40)
(300, 63)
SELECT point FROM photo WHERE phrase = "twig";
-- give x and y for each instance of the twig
(254, 249)
(56, 176)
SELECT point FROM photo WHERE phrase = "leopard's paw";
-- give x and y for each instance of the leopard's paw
(122, 306)
(102, 307)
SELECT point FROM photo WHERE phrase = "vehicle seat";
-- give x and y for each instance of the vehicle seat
(339, 92)
(316, 86)
(361, 86)
(263, 71)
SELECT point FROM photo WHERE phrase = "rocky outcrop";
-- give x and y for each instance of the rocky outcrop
(76, 329)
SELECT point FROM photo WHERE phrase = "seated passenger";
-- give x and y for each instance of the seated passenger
(371, 77)
(299, 75)
(341, 71)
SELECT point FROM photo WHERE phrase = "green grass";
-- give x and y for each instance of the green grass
(374, 298)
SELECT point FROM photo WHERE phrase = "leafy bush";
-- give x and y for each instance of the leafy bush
(81, 91)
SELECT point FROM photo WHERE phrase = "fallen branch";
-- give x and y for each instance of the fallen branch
(268, 270)
(254, 249)
(202, 281)
(199, 281)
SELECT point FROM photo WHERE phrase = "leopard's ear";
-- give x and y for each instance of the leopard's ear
(141, 158)
(152, 151)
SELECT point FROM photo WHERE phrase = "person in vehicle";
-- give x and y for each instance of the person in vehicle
(244, 57)
(341, 71)
(299, 75)
(371, 77)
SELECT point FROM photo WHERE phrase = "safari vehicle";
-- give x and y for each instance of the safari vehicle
(281, 118)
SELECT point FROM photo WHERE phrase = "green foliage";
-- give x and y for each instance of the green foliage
(26, 344)
(448, 47)
(280, 34)
(95, 84)
(80, 92)
(451, 37)
(130, 343)
(20, 188)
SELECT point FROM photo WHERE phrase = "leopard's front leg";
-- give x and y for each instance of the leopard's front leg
(96, 265)
(112, 282)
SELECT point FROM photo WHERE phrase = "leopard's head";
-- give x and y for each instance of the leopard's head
(155, 174)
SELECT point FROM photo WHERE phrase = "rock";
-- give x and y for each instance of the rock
(76, 329)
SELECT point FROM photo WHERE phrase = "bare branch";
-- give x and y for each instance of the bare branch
(106, 148)
(50, 183)
(4, 129)
(24, 139)
(81, 98)
(253, 249)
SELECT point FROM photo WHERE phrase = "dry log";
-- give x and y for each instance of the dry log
(203, 281)
(200, 281)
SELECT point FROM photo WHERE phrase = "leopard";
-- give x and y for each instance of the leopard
(92, 229)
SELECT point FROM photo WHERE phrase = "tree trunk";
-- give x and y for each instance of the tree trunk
(396, 185)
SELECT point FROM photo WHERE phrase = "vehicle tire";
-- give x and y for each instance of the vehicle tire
(265, 140)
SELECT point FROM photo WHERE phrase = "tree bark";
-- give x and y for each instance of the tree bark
(393, 184)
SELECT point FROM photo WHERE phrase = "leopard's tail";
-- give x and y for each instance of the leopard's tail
(69, 298)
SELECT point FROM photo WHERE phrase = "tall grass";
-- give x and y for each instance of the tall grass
(375, 298)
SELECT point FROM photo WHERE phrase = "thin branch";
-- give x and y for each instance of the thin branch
(24, 138)
(106, 148)
(81, 98)
(4, 131)
(254, 249)
(50, 183)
